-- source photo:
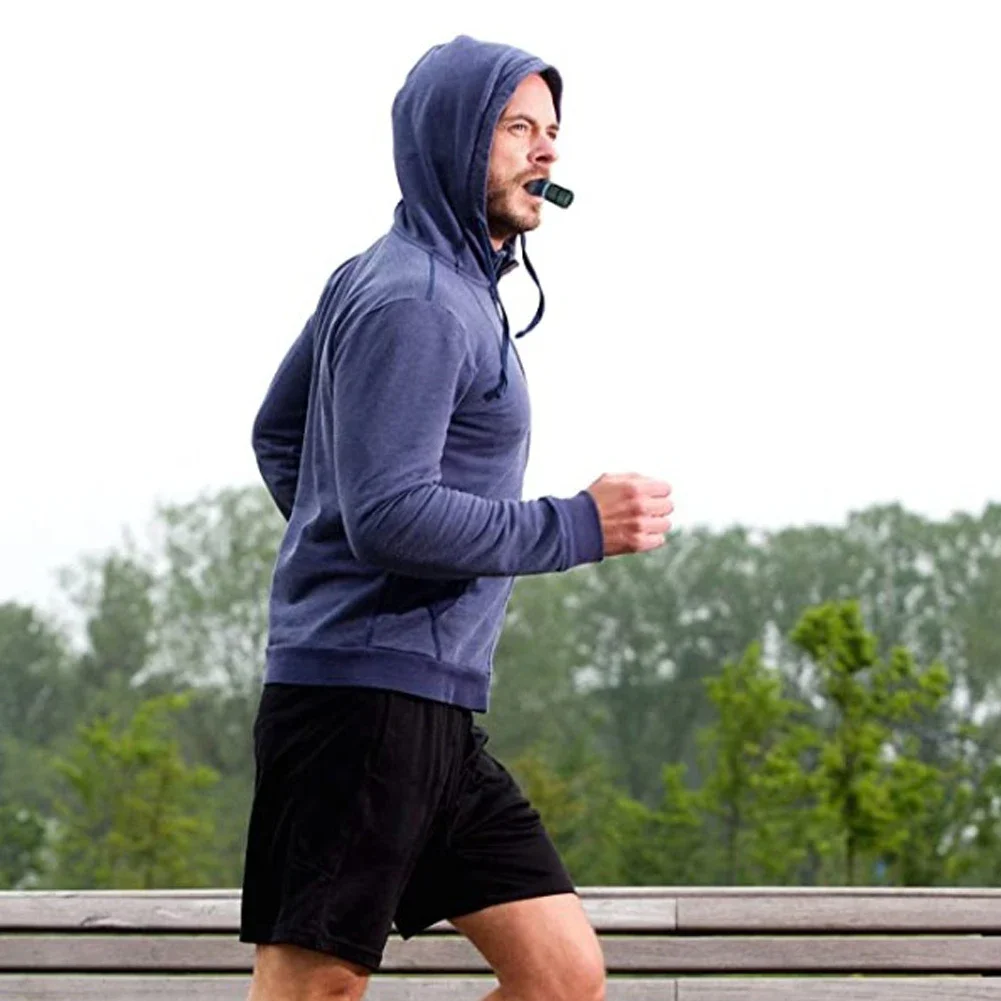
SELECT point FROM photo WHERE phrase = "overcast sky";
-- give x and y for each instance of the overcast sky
(779, 287)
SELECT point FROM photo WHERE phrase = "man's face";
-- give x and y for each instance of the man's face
(523, 149)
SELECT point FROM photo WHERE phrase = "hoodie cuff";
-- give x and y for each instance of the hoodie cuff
(585, 542)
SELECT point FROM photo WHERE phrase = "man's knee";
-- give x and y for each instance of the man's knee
(288, 973)
(584, 971)
(585, 983)
(576, 977)
(589, 979)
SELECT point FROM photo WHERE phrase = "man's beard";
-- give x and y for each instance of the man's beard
(503, 220)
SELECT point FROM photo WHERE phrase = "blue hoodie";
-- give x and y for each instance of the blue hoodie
(394, 436)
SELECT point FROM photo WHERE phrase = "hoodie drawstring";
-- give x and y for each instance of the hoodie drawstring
(501, 386)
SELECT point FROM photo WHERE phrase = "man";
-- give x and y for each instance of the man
(394, 438)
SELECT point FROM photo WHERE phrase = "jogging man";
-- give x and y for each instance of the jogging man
(394, 439)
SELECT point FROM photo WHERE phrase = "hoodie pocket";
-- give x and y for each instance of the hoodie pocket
(467, 630)
(407, 611)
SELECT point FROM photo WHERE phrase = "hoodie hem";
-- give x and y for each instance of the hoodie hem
(380, 667)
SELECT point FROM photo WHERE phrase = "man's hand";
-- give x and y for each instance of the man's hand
(634, 512)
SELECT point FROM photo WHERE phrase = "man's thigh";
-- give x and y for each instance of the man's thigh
(347, 790)
(539, 948)
(490, 848)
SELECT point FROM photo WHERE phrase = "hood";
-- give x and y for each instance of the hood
(444, 118)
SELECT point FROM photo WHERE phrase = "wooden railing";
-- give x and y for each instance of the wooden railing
(661, 944)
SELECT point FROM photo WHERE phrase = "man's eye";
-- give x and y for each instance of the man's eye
(519, 127)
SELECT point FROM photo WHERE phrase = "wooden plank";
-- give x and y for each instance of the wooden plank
(651, 913)
(830, 989)
(803, 955)
(235, 989)
(588, 892)
(907, 892)
(452, 954)
(219, 911)
(465, 989)
(611, 909)
(110, 911)
(767, 912)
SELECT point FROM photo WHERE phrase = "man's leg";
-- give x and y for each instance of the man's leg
(493, 871)
(288, 973)
(348, 782)
(543, 949)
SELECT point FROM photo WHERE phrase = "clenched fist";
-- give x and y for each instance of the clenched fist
(634, 512)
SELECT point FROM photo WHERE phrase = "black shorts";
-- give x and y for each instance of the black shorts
(374, 808)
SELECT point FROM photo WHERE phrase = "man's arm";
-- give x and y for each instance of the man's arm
(281, 421)
(397, 376)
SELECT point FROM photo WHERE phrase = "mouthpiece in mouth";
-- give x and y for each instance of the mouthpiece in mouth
(551, 192)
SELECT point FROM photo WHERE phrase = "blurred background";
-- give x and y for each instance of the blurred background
(777, 288)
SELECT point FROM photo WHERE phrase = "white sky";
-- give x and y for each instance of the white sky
(779, 287)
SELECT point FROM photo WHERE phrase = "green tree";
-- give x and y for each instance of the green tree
(668, 844)
(606, 837)
(864, 774)
(22, 840)
(134, 815)
(537, 702)
(757, 792)
(932, 587)
(114, 592)
(973, 846)
(216, 555)
(953, 815)
(584, 812)
(36, 713)
(35, 665)
(652, 629)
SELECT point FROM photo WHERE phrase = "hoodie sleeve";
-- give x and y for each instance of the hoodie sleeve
(397, 377)
(281, 421)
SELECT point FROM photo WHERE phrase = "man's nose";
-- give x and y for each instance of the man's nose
(545, 151)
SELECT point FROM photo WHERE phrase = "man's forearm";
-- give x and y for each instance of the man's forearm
(436, 532)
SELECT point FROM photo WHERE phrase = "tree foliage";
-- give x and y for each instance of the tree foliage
(133, 815)
(813, 705)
